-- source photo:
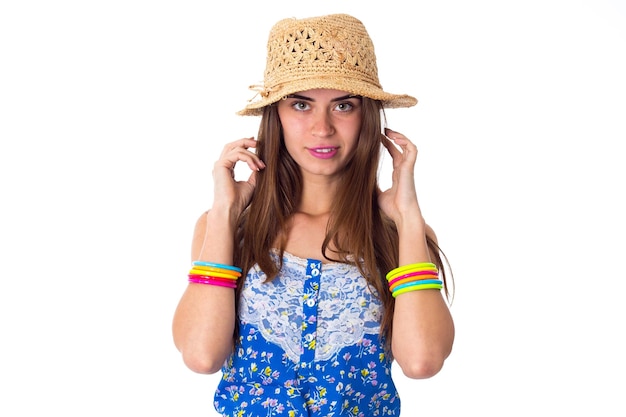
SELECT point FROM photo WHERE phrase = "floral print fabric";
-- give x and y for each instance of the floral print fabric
(308, 346)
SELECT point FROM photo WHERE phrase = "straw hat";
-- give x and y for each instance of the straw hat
(333, 52)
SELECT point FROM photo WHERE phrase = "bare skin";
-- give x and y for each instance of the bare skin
(321, 127)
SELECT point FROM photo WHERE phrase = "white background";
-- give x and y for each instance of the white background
(112, 113)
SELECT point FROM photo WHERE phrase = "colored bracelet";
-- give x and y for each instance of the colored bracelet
(227, 280)
(216, 265)
(421, 266)
(213, 274)
(416, 288)
(405, 281)
(210, 281)
(411, 279)
(421, 274)
(416, 283)
(230, 272)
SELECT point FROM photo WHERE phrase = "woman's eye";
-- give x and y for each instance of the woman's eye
(344, 106)
(300, 105)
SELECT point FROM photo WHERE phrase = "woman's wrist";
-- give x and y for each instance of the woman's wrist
(412, 239)
(410, 222)
(220, 216)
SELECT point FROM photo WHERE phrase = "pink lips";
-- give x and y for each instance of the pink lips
(323, 153)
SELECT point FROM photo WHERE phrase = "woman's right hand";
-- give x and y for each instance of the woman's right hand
(227, 191)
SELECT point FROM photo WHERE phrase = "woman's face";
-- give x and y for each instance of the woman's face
(321, 129)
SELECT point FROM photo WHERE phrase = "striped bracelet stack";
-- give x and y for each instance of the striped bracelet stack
(414, 277)
(214, 274)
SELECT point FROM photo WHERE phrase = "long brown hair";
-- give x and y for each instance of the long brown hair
(358, 231)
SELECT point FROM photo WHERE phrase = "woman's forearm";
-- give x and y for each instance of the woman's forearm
(204, 320)
(423, 329)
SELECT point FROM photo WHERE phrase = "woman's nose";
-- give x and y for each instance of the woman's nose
(322, 124)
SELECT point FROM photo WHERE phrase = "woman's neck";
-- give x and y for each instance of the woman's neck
(317, 198)
(316, 204)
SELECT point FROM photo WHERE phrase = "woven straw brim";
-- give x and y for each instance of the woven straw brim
(331, 52)
(350, 85)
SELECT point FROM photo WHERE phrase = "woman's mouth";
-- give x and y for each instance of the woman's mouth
(323, 152)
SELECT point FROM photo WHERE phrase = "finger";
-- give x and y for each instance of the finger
(229, 160)
(393, 135)
(252, 179)
(391, 148)
(397, 137)
(409, 149)
(244, 143)
(240, 151)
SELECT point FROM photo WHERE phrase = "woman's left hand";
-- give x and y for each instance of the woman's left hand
(400, 200)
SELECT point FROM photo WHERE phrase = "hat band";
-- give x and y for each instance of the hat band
(260, 90)
(317, 82)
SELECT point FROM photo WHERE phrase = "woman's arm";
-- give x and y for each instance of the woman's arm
(204, 320)
(423, 329)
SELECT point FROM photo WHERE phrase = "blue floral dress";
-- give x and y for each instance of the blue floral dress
(309, 345)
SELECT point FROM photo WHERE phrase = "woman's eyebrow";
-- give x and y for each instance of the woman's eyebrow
(346, 97)
(300, 97)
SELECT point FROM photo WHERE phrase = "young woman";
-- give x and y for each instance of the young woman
(308, 280)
